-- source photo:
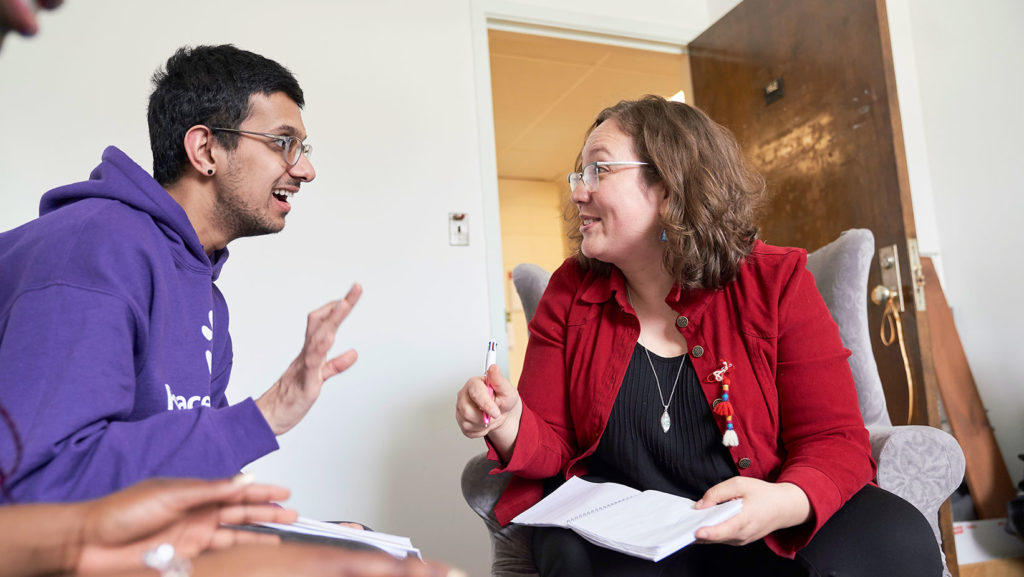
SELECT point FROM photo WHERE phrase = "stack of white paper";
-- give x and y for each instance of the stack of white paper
(399, 547)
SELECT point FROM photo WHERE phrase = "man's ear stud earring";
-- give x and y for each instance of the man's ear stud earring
(210, 172)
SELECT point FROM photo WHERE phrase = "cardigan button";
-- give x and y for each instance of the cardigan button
(682, 321)
(697, 351)
(744, 463)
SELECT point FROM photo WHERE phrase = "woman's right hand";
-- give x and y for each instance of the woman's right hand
(503, 408)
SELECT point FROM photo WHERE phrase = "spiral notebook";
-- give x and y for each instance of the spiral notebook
(649, 524)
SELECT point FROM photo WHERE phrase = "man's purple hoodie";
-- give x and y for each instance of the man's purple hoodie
(114, 345)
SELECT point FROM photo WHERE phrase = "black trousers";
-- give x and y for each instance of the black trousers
(876, 534)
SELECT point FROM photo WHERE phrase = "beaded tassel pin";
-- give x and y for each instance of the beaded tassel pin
(724, 406)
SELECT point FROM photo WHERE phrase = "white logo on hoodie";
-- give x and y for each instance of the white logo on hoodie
(181, 403)
(208, 333)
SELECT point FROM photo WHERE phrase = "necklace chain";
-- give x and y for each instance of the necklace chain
(657, 381)
(665, 421)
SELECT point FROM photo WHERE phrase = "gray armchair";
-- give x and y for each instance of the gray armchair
(923, 465)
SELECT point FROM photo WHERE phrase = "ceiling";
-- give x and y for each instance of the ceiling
(547, 92)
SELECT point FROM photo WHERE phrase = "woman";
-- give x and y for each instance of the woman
(677, 352)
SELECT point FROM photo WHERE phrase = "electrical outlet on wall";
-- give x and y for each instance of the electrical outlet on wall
(458, 229)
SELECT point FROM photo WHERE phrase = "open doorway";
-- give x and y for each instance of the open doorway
(546, 91)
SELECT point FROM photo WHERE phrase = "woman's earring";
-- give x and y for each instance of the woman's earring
(664, 235)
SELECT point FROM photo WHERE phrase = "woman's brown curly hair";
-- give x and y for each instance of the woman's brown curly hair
(714, 194)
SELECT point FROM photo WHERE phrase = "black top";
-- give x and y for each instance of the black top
(634, 451)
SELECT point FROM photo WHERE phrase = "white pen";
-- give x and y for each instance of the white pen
(492, 358)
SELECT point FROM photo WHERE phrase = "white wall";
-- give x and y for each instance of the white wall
(968, 57)
(718, 8)
(394, 116)
(908, 92)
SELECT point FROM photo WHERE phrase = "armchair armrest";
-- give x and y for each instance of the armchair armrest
(921, 464)
(481, 489)
(924, 465)
(511, 546)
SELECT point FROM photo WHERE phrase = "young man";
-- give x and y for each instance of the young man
(114, 345)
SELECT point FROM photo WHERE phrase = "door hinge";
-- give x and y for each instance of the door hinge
(917, 274)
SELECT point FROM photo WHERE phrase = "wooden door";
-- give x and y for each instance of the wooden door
(828, 140)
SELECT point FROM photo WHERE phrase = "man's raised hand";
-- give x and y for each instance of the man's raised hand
(290, 398)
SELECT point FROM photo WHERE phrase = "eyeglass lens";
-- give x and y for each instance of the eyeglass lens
(295, 149)
(588, 177)
(292, 151)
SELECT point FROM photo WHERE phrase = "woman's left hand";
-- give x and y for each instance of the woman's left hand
(189, 514)
(767, 507)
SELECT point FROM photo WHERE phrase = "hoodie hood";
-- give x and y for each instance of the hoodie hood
(119, 178)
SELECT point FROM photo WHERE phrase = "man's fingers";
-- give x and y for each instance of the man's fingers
(339, 309)
(322, 326)
(339, 363)
(336, 311)
(353, 294)
(321, 312)
(344, 306)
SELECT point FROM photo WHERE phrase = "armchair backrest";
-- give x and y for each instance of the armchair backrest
(840, 271)
(530, 281)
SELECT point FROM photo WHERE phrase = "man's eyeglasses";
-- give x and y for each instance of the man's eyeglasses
(590, 175)
(291, 147)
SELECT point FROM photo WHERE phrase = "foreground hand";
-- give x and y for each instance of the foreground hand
(187, 513)
(18, 15)
(475, 399)
(767, 507)
(311, 561)
(290, 398)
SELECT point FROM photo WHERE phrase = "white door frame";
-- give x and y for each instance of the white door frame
(541, 20)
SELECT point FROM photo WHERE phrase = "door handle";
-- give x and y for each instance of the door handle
(889, 260)
(889, 294)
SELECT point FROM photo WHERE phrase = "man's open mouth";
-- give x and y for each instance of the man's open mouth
(283, 195)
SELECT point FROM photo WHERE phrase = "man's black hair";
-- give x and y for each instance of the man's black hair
(209, 85)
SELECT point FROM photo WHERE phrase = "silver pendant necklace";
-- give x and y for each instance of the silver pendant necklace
(666, 422)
